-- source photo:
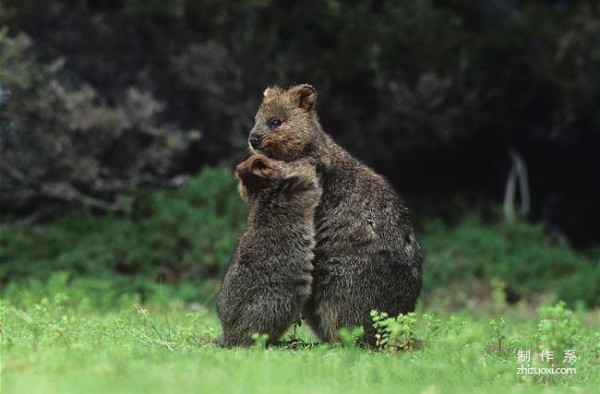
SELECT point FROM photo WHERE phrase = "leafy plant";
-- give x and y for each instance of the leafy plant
(351, 337)
(498, 338)
(394, 333)
(558, 330)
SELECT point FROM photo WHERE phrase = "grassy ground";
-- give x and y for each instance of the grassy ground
(67, 340)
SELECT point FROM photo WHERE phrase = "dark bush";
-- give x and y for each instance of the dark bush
(64, 144)
(433, 94)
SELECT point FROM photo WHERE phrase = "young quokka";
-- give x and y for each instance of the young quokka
(269, 275)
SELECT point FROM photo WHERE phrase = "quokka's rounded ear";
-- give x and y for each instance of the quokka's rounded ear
(262, 167)
(250, 165)
(252, 173)
(304, 95)
(270, 92)
(259, 163)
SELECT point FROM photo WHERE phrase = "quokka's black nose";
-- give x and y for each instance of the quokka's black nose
(254, 141)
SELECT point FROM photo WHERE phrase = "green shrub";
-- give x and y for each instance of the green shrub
(559, 329)
(519, 254)
(168, 235)
(394, 333)
(186, 236)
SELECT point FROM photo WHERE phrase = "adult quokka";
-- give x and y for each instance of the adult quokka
(366, 255)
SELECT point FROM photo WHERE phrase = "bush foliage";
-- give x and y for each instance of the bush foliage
(186, 236)
(64, 145)
(165, 236)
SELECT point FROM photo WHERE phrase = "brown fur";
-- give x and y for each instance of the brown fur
(268, 279)
(366, 255)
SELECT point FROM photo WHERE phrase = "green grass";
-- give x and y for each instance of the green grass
(62, 340)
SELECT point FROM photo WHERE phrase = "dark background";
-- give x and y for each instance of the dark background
(100, 100)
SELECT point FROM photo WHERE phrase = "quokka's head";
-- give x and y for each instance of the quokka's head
(286, 124)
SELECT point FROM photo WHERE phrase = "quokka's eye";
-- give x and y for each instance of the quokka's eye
(274, 123)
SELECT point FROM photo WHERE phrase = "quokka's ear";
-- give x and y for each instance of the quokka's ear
(305, 96)
(252, 173)
(270, 92)
(258, 167)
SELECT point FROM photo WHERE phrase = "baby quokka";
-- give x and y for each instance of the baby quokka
(269, 276)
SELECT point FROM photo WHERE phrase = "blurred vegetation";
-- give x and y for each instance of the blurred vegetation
(521, 256)
(62, 145)
(108, 107)
(185, 237)
(100, 98)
